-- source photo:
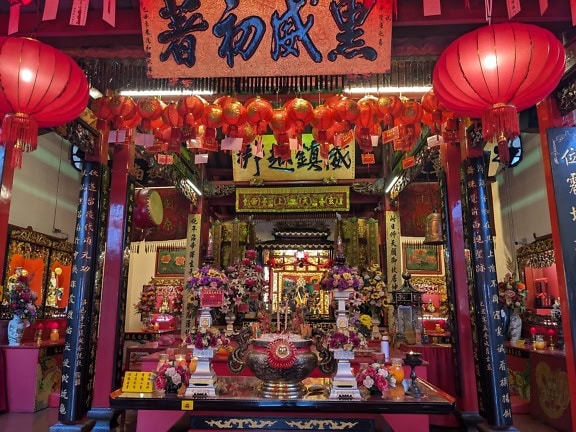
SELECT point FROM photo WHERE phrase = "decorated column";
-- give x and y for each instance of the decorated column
(489, 351)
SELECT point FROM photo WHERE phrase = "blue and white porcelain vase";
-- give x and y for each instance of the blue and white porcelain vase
(515, 326)
(16, 328)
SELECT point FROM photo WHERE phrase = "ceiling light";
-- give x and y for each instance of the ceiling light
(144, 93)
(95, 93)
(193, 186)
(387, 90)
(392, 183)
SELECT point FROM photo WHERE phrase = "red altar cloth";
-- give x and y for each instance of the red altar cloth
(3, 395)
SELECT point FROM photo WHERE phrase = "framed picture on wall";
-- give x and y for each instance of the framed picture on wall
(418, 258)
(170, 262)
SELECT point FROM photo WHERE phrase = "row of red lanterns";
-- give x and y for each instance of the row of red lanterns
(192, 116)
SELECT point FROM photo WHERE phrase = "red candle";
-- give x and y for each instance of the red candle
(551, 332)
(532, 331)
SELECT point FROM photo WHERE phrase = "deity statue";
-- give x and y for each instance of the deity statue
(54, 294)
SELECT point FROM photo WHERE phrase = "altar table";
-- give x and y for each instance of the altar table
(237, 405)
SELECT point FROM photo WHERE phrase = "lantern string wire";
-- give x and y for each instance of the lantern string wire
(488, 9)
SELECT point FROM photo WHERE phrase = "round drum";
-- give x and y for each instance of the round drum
(148, 209)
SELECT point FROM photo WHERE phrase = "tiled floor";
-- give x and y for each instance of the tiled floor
(42, 420)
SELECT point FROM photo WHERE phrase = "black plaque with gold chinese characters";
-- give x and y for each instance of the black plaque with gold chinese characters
(562, 147)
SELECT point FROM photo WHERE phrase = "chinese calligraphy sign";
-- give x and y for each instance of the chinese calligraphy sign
(199, 38)
(298, 199)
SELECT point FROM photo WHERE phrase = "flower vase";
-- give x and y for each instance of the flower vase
(203, 379)
(515, 327)
(16, 328)
(344, 382)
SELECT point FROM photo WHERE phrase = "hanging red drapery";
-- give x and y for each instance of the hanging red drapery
(496, 71)
(39, 87)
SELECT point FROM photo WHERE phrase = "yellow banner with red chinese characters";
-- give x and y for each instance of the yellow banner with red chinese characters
(293, 199)
(303, 164)
(223, 38)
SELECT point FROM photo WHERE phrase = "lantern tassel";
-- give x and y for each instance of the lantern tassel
(19, 131)
(500, 119)
(17, 151)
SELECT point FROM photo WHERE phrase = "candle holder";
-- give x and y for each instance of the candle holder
(551, 345)
(413, 359)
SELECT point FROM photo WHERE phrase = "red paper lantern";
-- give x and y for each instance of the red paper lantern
(191, 108)
(435, 114)
(496, 71)
(123, 110)
(389, 107)
(149, 110)
(346, 110)
(233, 115)
(259, 113)
(322, 120)
(300, 112)
(39, 87)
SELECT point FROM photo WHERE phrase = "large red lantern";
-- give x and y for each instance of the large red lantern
(39, 87)
(496, 71)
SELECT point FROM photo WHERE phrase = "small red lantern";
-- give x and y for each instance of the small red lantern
(496, 71)
(434, 113)
(322, 120)
(214, 115)
(346, 110)
(389, 107)
(123, 110)
(149, 109)
(300, 112)
(191, 108)
(172, 118)
(259, 113)
(233, 115)
(39, 87)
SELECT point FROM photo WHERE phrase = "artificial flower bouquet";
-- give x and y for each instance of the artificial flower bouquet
(206, 277)
(373, 295)
(147, 303)
(171, 377)
(21, 298)
(342, 277)
(247, 284)
(376, 378)
(346, 339)
(207, 338)
(512, 294)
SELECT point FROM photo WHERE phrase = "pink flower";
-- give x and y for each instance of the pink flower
(160, 382)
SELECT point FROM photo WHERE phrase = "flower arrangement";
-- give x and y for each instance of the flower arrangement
(207, 338)
(205, 277)
(171, 376)
(376, 378)
(373, 295)
(512, 294)
(341, 277)
(177, 301)
(348, 340)
(246, 285)
(147, 303)
(21, 298)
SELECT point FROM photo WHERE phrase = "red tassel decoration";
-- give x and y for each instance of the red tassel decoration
(503, 151)
(19, 131)
(500, 119)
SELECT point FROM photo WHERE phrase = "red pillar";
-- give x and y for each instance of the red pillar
(108, 331)
(467, 401)
(7, 176)
(549, 117)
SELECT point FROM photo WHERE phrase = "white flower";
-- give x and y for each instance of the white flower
(176, 379)
(368, 382)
